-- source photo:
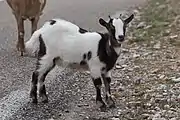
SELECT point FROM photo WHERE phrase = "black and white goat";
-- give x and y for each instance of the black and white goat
(60, 41)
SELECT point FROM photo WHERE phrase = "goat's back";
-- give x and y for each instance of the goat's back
(27, 8)
(63, 39)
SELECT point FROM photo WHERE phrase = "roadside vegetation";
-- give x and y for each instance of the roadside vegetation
(149, 75)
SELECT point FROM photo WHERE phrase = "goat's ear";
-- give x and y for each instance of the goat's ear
(103, 22)
(128, 20)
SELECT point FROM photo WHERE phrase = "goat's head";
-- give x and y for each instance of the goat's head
(116, 28)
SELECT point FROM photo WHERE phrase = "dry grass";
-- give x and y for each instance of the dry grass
(164, 18)
(157, 68)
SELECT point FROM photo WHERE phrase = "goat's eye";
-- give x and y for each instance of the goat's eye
(112, 29)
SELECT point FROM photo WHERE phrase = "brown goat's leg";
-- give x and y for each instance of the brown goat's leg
(20, 44)
(34, 22)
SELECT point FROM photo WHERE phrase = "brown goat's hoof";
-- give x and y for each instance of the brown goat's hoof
(20, 48)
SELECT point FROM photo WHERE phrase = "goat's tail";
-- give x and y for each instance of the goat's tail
(32, 45)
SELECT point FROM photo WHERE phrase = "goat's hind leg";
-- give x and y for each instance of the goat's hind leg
(44, 66)
(33, 92)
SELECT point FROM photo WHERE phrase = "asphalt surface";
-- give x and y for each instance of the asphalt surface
(15, 71)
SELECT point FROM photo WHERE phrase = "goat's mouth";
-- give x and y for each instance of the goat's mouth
(119, 41)
(116, 43)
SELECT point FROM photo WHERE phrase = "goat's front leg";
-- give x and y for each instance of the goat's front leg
(20, 44)
(95, 68)
(96, 77)
(107, 80)
(34, 22)
(98, 84)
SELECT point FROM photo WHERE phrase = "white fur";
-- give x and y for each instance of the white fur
(32, 45)
(64, 40)
(118, 24)
(65, 44)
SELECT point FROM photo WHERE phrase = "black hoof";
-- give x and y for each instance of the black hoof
(103, 108)
(44, 98)
(33, 98)
(101, 105)
(45, 101)
(110, 102)
(34, 101)
(112, 105)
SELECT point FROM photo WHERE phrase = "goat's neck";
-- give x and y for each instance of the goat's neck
(110, 46)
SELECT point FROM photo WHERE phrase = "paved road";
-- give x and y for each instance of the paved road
(15, 71)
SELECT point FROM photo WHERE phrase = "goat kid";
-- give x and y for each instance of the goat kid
(22, 10)
(60, 41)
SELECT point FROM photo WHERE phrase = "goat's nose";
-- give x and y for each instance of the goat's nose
(121, 37)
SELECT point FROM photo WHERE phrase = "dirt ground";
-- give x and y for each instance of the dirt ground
(146, 79)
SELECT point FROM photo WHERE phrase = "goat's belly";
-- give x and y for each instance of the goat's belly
(77, 66)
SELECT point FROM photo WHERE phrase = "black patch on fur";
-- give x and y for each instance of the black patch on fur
(124, 30)
(83, 62)
(81, 30)
(33, 92)
(42, 90)
(112, 28)
(108, 80)
(55, 60)
(42, 47)
(108, 59)
(41, 52)
(97, 81)
(52, 22)
(103, 69)
(84, 56)
(89, 55)
(35, 78)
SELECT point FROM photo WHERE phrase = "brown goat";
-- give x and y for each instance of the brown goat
(22, 10)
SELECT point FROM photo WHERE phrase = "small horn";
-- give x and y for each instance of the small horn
(109, 17)
(120, 15)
